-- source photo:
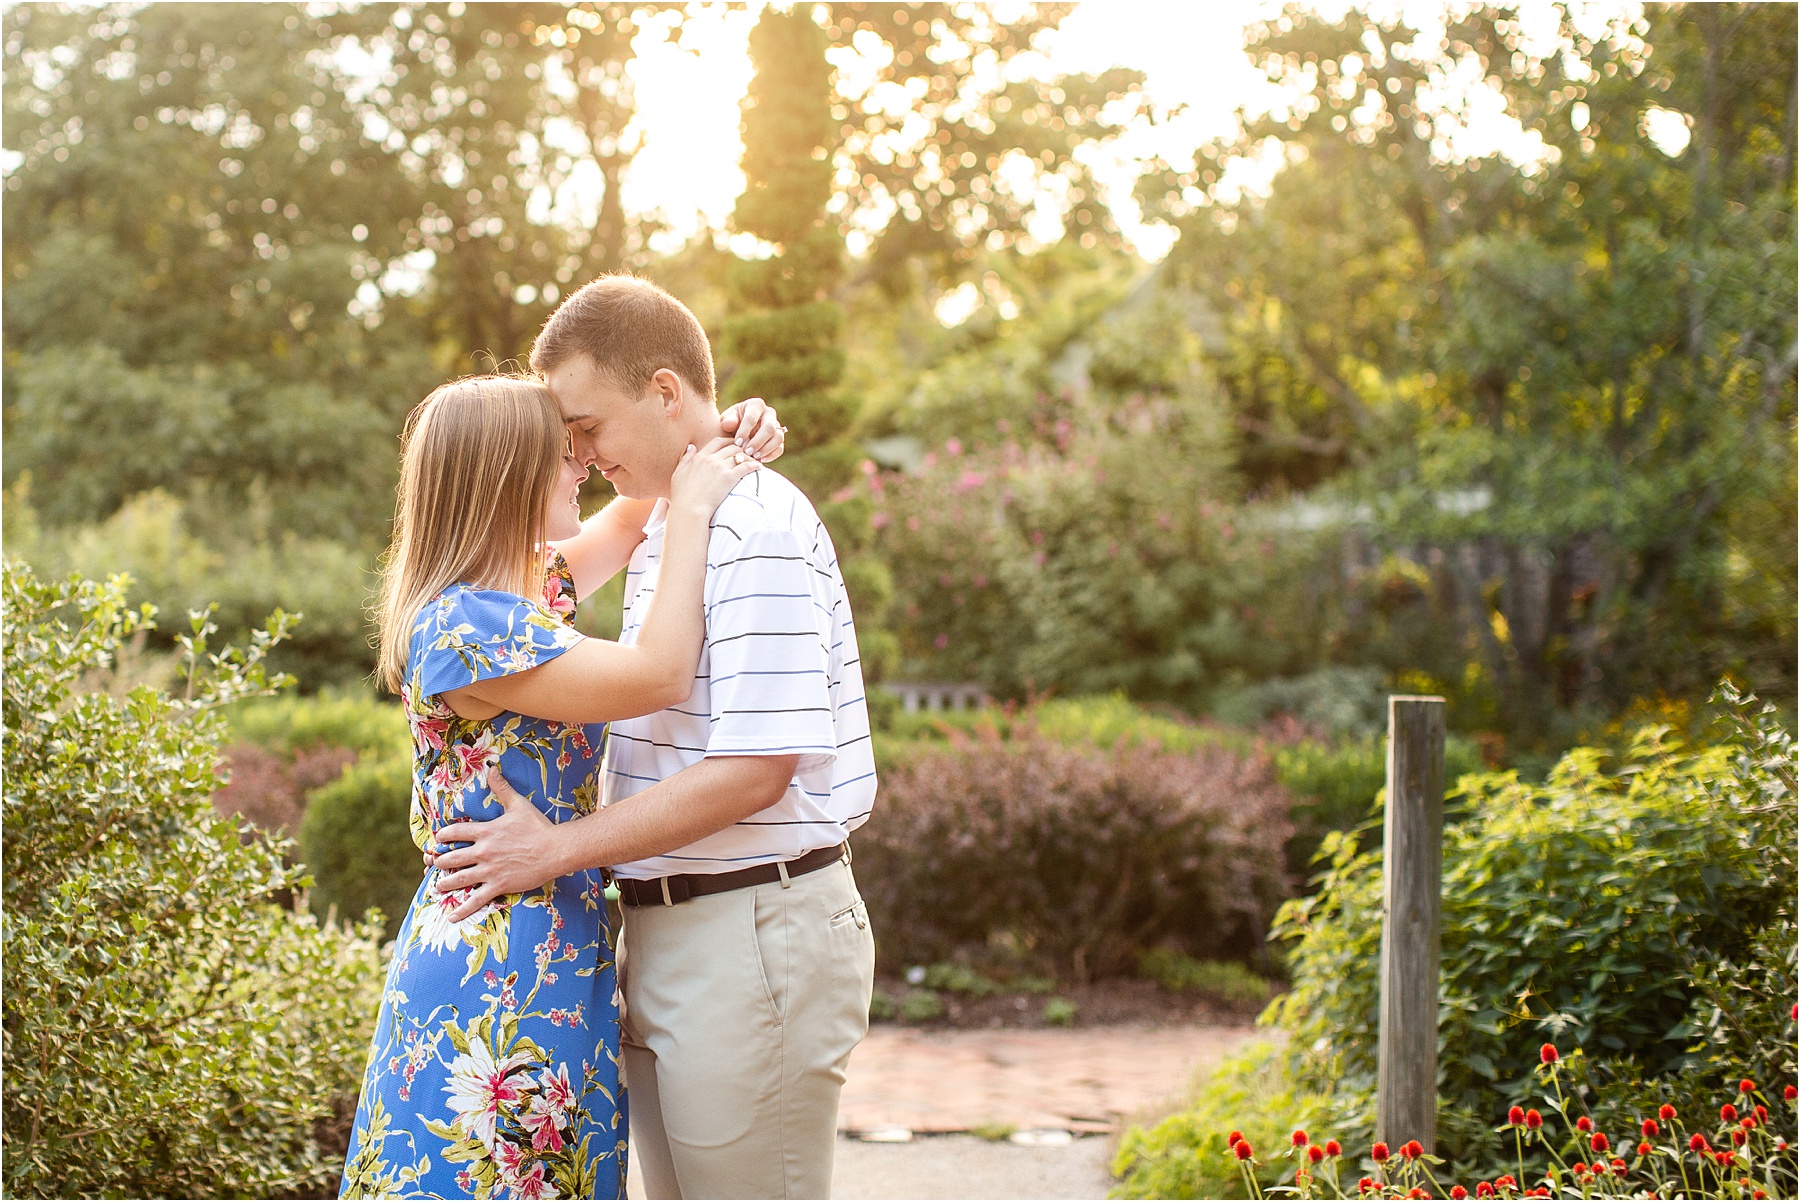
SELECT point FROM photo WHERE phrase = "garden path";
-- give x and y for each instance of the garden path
(1058, 1088)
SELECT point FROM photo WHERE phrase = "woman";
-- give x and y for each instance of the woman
(494, 1066)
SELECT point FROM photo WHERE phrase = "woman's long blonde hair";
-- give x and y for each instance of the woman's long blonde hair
(479, 459)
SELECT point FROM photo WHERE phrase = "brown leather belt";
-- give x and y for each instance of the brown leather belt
(673, 890)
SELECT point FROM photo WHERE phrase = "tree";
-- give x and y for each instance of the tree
(782, 338)
(957, 167)
(1562, 379)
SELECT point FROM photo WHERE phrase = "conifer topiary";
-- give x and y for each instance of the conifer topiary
(782, 338)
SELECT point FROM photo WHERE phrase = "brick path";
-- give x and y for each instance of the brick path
(1083, 1080)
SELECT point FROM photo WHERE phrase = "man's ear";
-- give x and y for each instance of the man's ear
(669, 391)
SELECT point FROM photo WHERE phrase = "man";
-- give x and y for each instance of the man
(750, 961)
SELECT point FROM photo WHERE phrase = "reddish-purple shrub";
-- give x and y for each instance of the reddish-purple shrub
(269, 788)
(1078, 856)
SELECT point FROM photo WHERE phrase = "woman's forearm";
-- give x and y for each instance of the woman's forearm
(675, 625)
(605, 543)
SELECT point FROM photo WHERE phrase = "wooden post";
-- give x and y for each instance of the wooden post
(1412, 894)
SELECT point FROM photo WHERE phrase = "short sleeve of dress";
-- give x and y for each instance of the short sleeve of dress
(467, 635)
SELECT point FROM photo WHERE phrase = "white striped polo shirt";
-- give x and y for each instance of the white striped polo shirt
(779, 675)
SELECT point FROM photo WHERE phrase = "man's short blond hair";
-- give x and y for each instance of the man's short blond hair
(631, 329)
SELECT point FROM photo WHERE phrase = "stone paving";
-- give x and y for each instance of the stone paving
(930, 1084)
(1082, 1080)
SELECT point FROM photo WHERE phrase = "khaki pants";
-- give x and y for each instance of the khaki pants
(741, 1010)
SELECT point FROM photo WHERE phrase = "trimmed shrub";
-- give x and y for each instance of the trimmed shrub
(356, 841)
(285, 747)
(354, 720)
(169, 1031)
(1074, 856)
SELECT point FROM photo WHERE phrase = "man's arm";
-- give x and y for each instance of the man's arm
(523, 850)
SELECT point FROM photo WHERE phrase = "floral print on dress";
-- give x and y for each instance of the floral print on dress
(494, 1070)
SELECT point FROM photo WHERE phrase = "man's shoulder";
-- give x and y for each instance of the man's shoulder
(763, 505)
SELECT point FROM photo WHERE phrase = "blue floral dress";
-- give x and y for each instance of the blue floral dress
(494, 1070)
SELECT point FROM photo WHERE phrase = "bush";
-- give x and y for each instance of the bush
(168, 1032)
(1074, 857)
(1336, 784)
(285, 747)
(1232, 983)
(1106, 549)
(153, 537)
(1644, 912)
(357, 841)
(354, 720)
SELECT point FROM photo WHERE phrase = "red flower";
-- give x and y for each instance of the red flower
(1584, 1124)
(1728, 1113)
(1738, 1138)
(1242, 1148)
(1333, 1148)
(1758, 1194)
(1417, 1192)
(1457, 1191)
(1618, 1167)
(1598, 1143)
(1483, 1190)
(1649, 1128)
(1515, 1116)
(1533, 1119)
(1789, 1092)
(1666, 1113)
(1505, 1181)
(1364, 1184)
(1748, 1122)
(1697, 1143)
(1795, 1012)
(1379, 1153)
(1315, 1153)
(1547, 1053)
(1724, 1158)
(1761, 1113)
(1298, 1139)
(1579, 1168)
(1231, 1141)
(1644, 1149)
(1746, 1086)
(1412, 1149)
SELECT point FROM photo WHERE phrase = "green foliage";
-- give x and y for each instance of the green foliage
(1184, 1155)
(958, 978)
(882, 1008)
(153, 537)
(354, 720)
(921, 1006)
(1561, 390)
(975, 109)
(1229, 982)
(1598, 909)
(169, 1031)
(1060, 1012)
(356, 840)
